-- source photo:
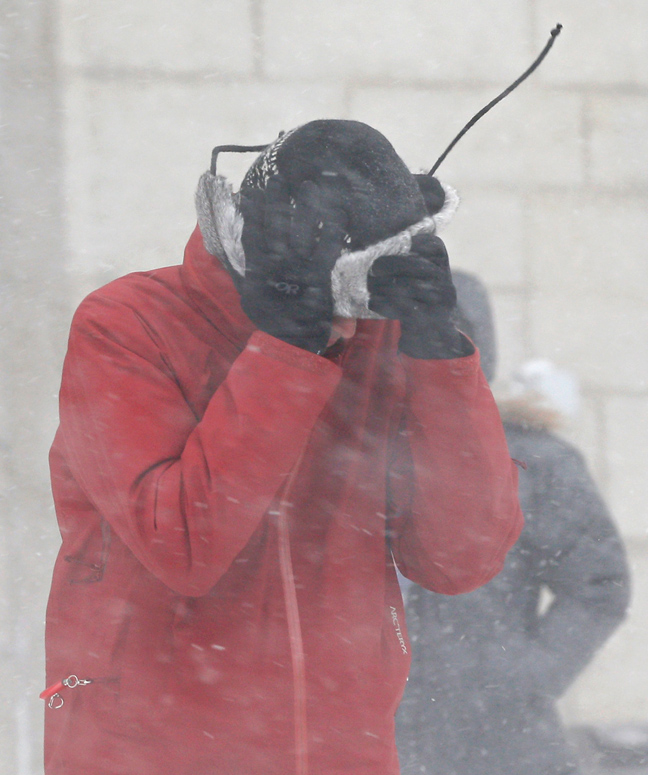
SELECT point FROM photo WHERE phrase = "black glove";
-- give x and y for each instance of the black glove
(433, 193)
(290, 248)
(417, 289)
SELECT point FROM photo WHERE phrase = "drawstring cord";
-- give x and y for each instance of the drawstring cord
(294, 626)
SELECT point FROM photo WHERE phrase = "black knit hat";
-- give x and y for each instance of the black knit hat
(381, 196)
(386, 205)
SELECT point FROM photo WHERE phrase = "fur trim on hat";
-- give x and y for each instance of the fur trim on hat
(221, 226)
(220, 221)
(349, 278)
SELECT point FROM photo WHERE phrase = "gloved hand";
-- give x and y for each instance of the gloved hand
(417, 289)
(433, 193)
(290, 249)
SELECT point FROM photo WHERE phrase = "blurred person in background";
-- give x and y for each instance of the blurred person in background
(489, 666)
(247, 443)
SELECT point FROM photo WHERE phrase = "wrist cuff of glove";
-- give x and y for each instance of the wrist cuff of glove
(314, 345)
(438, 341)
(308, 336)
(313, 342)
(300, 336)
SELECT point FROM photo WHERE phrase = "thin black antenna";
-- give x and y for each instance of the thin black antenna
(233, 149)
(554, 34)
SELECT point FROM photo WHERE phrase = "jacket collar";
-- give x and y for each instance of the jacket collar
(212, 290)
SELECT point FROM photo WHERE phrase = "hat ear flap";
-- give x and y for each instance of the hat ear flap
(220, 221)
(433, 193)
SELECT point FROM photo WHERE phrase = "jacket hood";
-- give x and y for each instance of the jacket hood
(529, 413)
(541, 395)
(213, 291)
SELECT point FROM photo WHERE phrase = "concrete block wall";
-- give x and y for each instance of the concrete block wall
(554, 181)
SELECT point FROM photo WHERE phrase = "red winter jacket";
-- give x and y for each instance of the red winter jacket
(215, 645)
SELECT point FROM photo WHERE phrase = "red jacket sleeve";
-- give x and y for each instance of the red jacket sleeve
(454, 511)
(185, 495)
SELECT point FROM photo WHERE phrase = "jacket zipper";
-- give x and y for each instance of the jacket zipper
(294, 628)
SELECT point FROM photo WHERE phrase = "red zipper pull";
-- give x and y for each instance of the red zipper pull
(51, 690)
(52, 694)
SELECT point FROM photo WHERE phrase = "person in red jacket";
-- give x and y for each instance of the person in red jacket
(249, 444)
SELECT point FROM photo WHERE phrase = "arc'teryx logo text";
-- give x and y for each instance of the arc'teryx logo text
(397, 627)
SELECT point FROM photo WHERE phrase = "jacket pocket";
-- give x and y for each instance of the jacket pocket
(89, 563)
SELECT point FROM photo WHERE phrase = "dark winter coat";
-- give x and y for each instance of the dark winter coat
(213, 638)
(489, 666)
